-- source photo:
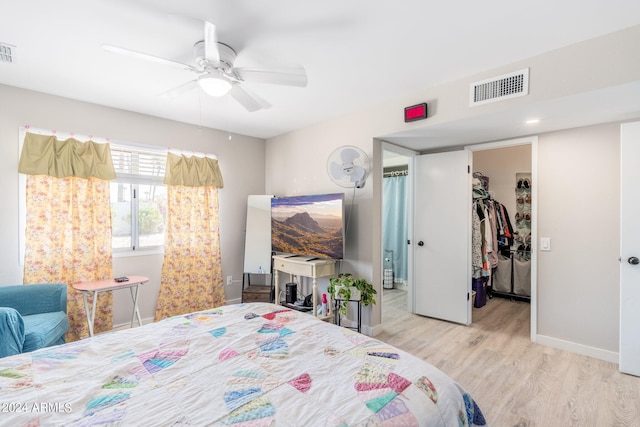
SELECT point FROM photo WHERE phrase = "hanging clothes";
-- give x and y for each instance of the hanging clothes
(492, 232)
(476, 241)
(481, 233)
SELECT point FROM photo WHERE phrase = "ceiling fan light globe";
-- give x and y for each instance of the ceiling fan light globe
(214, 85)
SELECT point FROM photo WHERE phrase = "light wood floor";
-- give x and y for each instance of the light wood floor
(514, 381)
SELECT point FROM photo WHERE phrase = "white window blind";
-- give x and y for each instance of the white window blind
(138, 198)
(138, 165)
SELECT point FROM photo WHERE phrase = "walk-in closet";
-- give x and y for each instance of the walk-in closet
(501, 225)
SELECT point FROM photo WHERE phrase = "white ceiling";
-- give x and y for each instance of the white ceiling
(357, 53)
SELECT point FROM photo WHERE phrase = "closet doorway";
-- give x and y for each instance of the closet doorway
(508, 169)
(503, 182)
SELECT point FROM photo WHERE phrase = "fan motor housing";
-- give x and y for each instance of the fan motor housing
(226, 52)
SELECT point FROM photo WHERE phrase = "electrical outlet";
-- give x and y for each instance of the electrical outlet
(229, 280)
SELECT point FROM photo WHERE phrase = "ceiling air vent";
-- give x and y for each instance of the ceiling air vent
(500, 88)
(7, 52)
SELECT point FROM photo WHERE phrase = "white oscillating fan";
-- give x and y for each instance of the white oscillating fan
(348, 166)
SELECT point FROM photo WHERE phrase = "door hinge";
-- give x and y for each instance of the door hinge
(468, 168)
(467, 296)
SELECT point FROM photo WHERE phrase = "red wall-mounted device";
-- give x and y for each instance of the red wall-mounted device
(415, 112)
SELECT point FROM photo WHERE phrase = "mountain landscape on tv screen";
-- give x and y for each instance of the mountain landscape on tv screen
(302, 234)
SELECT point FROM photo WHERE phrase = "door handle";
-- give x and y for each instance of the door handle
(420, 243)
(634, 260)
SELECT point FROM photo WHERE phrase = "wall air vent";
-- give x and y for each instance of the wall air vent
(499, 88)
(7, 52)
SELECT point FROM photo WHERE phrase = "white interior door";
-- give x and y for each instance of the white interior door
(629, 249)
(442, 240)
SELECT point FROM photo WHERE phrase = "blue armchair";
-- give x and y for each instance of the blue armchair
(32, 317)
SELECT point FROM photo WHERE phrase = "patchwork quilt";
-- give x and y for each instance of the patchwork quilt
(252, 364)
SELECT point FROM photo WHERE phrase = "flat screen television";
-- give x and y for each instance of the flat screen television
(311, 225)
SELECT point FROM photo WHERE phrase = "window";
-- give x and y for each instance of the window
(138, 199)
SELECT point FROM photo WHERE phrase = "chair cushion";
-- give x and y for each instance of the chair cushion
(44, 329)
(11, 332)
(34, 299)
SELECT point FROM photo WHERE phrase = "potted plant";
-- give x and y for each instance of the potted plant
(345, 288)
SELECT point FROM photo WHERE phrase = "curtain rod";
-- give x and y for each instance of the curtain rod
(65, 135)
(396, 173)
(190, 153)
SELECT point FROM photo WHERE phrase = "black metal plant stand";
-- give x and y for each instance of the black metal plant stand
(336, 315)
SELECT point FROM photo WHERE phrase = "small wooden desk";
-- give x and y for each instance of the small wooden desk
(98, 286)
(303, 266)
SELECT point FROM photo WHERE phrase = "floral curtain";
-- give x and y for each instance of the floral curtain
(191, 272)
(68, 221)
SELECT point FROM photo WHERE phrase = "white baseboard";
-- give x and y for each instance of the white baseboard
(400, 285)
(584, 350)
(374, 330)
(127, 325)
(364, 329)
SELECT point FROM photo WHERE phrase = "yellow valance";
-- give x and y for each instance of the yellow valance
(46, 155)
(192, 171)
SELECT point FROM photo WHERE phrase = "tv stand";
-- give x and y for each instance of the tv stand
(304, 267)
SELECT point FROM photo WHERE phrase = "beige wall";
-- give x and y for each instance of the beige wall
(582, 264)
(296, 165)
(588, 67)
(241, 160)
(579, 209)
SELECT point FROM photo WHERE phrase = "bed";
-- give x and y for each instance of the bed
(253, 364)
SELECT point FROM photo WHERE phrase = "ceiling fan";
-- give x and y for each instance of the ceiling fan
(216, 74)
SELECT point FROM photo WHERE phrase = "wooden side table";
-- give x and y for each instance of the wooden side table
(97, 286)
(256, 293)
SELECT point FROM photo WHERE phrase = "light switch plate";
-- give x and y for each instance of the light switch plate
(545, 243)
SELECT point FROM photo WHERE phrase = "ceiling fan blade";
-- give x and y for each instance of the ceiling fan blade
(180, 90)
(282, 76)
(211, 51)
(248, 100)
(147, 57)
